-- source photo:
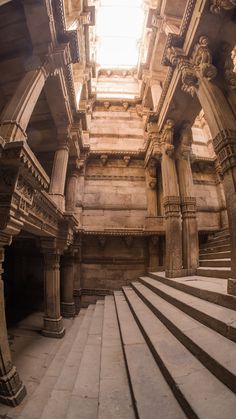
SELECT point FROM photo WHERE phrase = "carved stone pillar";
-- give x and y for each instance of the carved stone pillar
(77, 275)
(53, 325)
(171, 203)
(67, 298)
(196, 75)
(16, 115)
(12, 391)
(58, 177)
(73, 191)
(223, 129)
(188, 202)
(151, 188)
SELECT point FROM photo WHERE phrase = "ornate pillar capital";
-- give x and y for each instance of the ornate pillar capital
(172, 206)
(167, 137)
(216, 6)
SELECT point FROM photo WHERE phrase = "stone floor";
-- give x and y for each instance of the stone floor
(32, 353)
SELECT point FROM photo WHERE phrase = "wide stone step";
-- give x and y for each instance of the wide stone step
(215, 263)
(220, 319)
(58, 402)
(217, 353)
(207, 288)
(153, 397)
(85, 394)
(212, 248)
(215, 242)
(115, 401)
(34, 407)
(215, 255)
(222, 233)
(214, 272)
(199, 392)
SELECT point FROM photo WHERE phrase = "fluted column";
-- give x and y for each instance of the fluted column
(188, 201)
(58, 177)
(12, 391)
(171, 203)
(67, 297)
(16, 115)
(53, 325)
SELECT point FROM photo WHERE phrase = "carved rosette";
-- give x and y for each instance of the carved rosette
(172, 206)
(225, 147)
(188, 207)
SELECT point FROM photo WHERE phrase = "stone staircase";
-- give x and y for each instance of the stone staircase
(159, 348)
(215, 256)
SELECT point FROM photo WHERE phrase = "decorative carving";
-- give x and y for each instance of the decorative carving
(225, 147)
(102, 241)
(128, 240)
(186, 140)
(125, 105)
(152, 184)
(188, 207)
(127, 160)
(106, 104)
(172, 206)
(218, 5)
(233, 56)
(104, 159)
(202, 59)
(152, 168)
(167, 135)
(226, 62)
(199, 65)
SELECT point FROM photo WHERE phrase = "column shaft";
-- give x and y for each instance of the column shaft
(171, 202)
(16, 115)
(12, 391)
(53, 326)
(67, 298)
(58, 177)
(188, 207)
(222, 125)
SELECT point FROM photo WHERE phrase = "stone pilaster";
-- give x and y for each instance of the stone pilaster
(67, 297)
(188, 201)
(16, 115)
(12, 391)
(151, 188)
(58, 177)
(72, 190)
(53, 325)
(173, 236)
(171, 203)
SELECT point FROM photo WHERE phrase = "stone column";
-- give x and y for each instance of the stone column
(156, 91)
(222, 125)
(58, 177)
(53, 325)
(12, 391)
(16, 115)
(171, 203)
(67, 298)
(188, 201)
(72, 189)
(151, 188)
(77, 275)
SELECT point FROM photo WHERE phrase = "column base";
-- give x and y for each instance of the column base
(77, 298)
(53, 328)
(231, 286)
(176, 273)
(68, 310)
(12, 390)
